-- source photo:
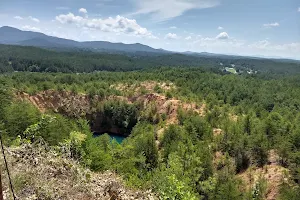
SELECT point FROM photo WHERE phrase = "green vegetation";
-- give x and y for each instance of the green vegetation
(32, 59)
(180, 164)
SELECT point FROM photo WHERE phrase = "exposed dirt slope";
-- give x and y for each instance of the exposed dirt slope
(38, 173)
(272, 173)
(81, 105)
(77, 105)
(60, 101)
(146, 86)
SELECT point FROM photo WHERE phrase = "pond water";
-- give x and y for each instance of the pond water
(119, 138)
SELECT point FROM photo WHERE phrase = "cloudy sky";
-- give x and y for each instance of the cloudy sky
(241, 27)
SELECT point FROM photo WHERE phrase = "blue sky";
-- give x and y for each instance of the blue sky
(242, 27)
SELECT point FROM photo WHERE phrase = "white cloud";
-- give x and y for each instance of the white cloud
(188, 38)
(118, 24)
(210, 44)
(18, 17)
(171, 36)
(241, 47)
(30, 28)
(82, 10)
(299, 9)
(69, 19)
(275, 24)
(220, 28)
(289, 50)
(34, 19)
(260, 44)
(167, 9)
(266, 45)
(173, 27)
(208, 39)
(30, 18)
(222, 36)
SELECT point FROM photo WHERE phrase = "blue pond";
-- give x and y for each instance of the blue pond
(118, 138)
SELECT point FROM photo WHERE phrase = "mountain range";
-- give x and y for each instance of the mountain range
(14, 36)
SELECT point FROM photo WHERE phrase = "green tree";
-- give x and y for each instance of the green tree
(170, 181)
(258, 147)
(172, 136)
(289, 193)
(144, 143)
(275, 125)
(18, 116)
(198, 128)
(5, 98)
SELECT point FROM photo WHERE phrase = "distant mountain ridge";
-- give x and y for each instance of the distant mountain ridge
(14, 36)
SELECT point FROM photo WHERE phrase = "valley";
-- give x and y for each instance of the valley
(171, 122)
(149, 100)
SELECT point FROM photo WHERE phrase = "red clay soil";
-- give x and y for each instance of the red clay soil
(273, 174)
(80, 104)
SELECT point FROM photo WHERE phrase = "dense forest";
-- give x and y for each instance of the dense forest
(257, 115)
(32, 59)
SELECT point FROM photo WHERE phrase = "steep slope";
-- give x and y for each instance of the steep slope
(81, 105)
(40, 172)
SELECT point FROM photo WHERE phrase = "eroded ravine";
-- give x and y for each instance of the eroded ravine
(85, 106)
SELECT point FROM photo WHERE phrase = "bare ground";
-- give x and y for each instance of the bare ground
(40, 173)
(273, 174)
(80, 104)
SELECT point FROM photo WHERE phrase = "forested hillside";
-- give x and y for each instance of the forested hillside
(32, 59)
(192, 133)
(149, 100)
